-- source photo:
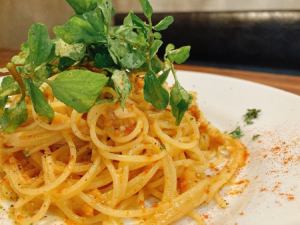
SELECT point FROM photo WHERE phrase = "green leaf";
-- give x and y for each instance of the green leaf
(133, 60)
(127, 20)
(164, 76)
(107, 10)
(39, 44)
(147, 8)
(40, 103)
(72, 51)
(122, 54)
(137, 21)
(117, 50)
(87, 28)
(65, 63)
(133, 20)
(122, 85)
(169, 48)
(41, 74)
(3, 101)
(155, 47)
(156, 64)
(179, 55)
(154, 92)
(82, 6)
(157, 35)
(9, 87)
(103, 59)
(13, 117)
(131, 37)
(20, 59)
(164, 23)
(78, 89)
(180, 100)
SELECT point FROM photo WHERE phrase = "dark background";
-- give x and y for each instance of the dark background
(253, 40)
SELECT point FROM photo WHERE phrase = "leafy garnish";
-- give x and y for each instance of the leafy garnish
(78, 89)
(179, 55)
(83, 6)
(180, 101)
(155, 47)
(40, 103)
(85, 43)
(13, 117)
(41, 74)
(75, 52)
(65, 63)
(164, 76)
(103, 59)
(87, 28)
(147, 8)
(9, 87)
(122, 85)
(107, 10)
(237, 133)
(164, 23)
(154, 92)
(39, 45)
(251, 115)
(3, 101)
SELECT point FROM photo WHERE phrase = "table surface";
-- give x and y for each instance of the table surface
(281, 81)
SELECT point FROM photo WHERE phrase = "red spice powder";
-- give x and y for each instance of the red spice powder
(289, 197)
(276, 187)
(263, 189)
(205, 216)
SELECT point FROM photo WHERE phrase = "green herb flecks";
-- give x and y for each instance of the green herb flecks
(255, 137)
(251, 115)
(237, 133)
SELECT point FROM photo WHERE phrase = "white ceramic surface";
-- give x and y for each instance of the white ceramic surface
(272, 196)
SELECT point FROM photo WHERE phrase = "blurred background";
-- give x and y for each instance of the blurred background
(261, 35)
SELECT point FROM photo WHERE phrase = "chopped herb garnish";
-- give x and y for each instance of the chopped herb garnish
(255, 137)
(85, 43)
(237, 133)
(251, 115)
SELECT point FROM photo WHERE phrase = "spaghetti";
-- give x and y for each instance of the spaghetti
(114, 163)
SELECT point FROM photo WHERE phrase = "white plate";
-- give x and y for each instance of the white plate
(272, 196)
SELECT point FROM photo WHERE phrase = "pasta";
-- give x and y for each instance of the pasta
(112, 164)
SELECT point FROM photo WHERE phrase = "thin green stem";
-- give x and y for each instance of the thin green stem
(174, 73)
(13, 71)
(150, 38)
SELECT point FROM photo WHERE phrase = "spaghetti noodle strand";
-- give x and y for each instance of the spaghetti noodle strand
(117, 163)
